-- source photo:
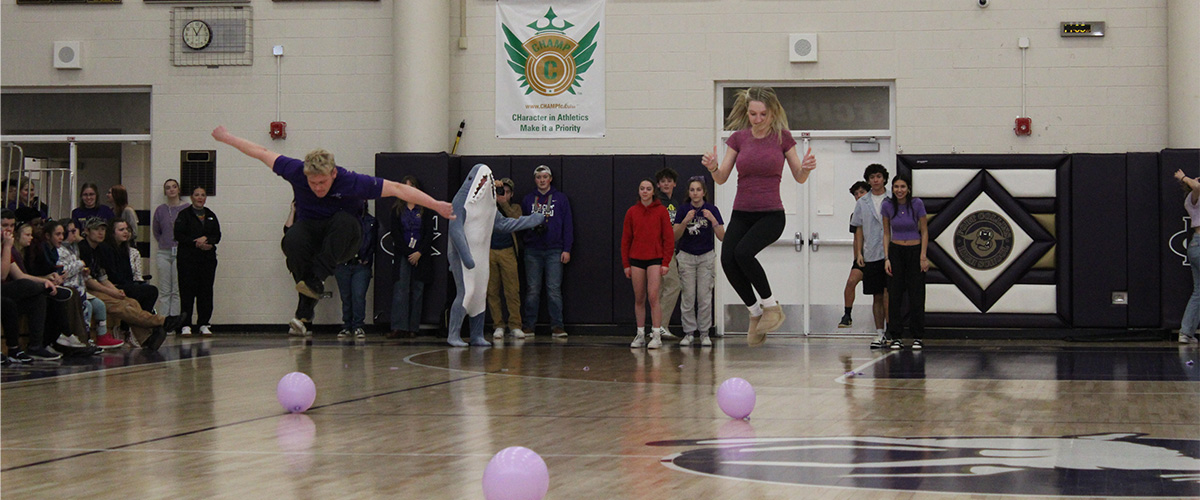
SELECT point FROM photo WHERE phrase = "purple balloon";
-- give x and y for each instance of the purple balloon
(516, 473)
(296, 392)
(736, 397)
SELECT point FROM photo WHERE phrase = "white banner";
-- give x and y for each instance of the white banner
(549, 69)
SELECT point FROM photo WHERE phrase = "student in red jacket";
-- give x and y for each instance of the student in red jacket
(647, 244)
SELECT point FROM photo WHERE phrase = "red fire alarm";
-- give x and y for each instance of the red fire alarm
(1024, 125)
(279, 130)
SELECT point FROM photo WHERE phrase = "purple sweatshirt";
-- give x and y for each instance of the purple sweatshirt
(163, 224)
(558, 232)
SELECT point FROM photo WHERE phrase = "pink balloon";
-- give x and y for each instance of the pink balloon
(296, 392)
(516, 473)
(736, 397)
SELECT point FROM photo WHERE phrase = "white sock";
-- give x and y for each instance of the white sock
(641, 330)
(879, 331)
(768, 302)
(755, 310)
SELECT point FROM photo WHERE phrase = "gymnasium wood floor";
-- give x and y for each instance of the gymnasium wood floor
(417, 419)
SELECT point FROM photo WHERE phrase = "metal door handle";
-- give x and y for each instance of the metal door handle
(815, 241)
(799, 241)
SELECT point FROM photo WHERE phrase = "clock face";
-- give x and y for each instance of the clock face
(197, 35)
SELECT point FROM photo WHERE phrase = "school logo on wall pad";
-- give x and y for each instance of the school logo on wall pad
(1179, 241)
(1109, 465)
(549, 69)
(983, 240)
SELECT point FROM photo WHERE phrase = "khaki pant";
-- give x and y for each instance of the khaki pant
(128, 311)
(668, 292)
(503, 271)
(697, 274)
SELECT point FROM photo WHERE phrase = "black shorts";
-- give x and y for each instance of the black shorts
(874, 277)
(643, 264)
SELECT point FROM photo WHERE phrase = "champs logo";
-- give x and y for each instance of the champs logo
(983, 240)
(550, 62)
(1100, 465)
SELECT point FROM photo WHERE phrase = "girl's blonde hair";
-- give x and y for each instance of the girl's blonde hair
(739, 118)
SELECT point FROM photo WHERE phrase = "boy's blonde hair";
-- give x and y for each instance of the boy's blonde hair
(319, 162)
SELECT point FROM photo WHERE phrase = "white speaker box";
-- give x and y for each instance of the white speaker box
(802, 47)
(67, 55)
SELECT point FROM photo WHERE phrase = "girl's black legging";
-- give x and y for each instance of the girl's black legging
(906, 278)
(749, 233)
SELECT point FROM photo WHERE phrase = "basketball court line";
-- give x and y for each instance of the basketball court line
(214, 427)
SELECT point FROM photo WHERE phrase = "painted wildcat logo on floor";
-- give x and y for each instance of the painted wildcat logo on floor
(1093, 465)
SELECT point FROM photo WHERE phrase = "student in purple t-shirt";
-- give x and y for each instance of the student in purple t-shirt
(89, 197)
(905, 240)
(760, 147)
(695, 225)
(329, 200)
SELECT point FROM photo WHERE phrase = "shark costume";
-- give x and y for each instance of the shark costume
(470, 242)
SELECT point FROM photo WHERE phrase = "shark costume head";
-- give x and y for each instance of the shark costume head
(470, 244)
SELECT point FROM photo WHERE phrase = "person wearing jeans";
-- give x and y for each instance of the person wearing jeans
(162, 225)
(412, 263)
(547, 249)
(353, 278)
(1191, 203)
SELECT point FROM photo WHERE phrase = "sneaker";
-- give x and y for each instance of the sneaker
(917, 344)
(879, 342)
(205, 330)
(499, 333)
(187, 330)
(131, 339)
(345, 332)
(107, 341)
(21, 357)
(518, 333)
(846, 322)
(359, 333)
(296, 327)
(44, 354)
(687, 340)
(532, 331)
(666, 333)
(311, 288)
(1186, 339)
(896, 345)
(655, 339)
(704, 340)
(558, 332)
(5, 360)
(70, 341)
(638, 341)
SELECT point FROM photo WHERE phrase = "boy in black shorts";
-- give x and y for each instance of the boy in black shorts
(858, 190)
(868, 245)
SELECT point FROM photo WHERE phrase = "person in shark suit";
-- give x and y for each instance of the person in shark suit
(476, 218)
